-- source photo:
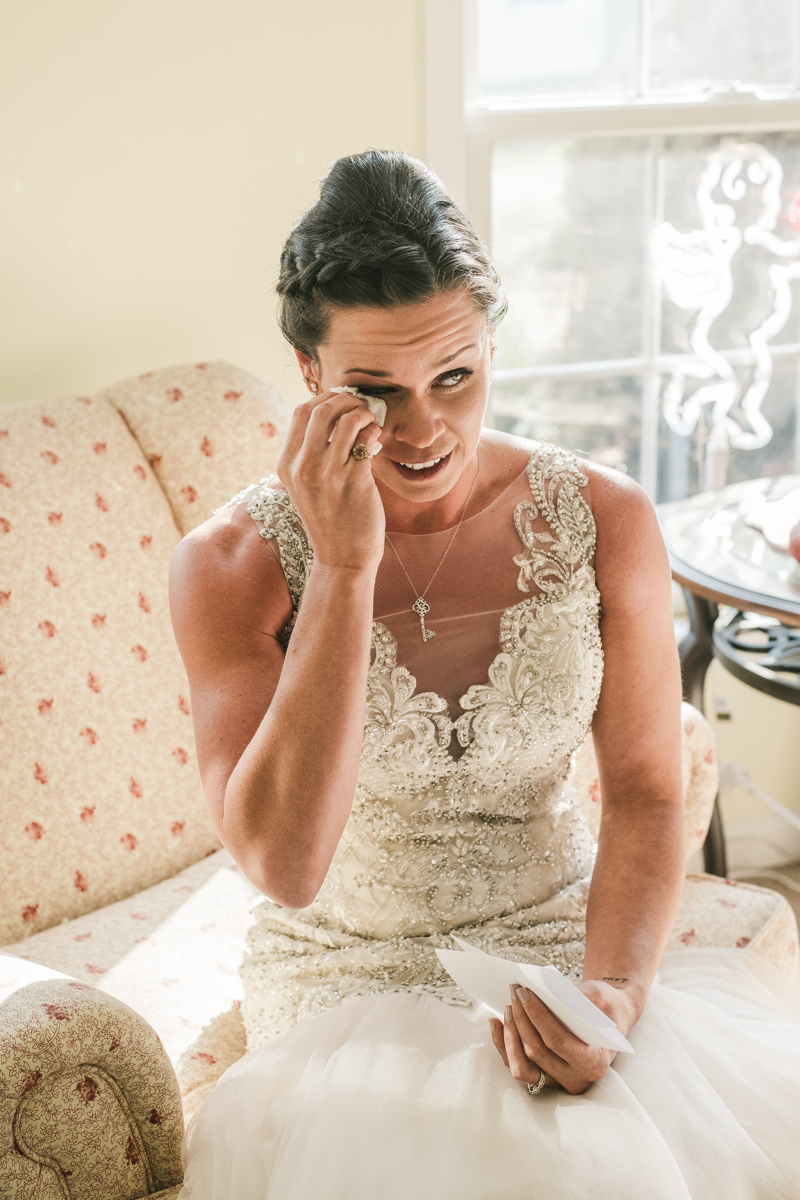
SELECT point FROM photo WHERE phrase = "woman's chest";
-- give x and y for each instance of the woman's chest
(442, 598)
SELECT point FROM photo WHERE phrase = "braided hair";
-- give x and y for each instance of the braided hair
(383, 232)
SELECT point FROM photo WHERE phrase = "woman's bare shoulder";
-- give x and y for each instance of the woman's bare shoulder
(227, 544)
(630, 556)
(616, 499)
(503, 457)
(224, 573)
(611, 495)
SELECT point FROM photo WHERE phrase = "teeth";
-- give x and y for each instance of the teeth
(422, 466)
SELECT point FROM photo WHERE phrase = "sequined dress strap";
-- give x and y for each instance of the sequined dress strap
(278, 520)
(553, 557)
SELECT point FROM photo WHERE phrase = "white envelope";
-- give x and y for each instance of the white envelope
(487, 980)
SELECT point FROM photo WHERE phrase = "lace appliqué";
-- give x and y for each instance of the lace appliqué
(409, 731)
(543, 686)
(553, 556)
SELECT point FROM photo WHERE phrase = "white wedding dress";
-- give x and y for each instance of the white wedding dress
(369, 1075)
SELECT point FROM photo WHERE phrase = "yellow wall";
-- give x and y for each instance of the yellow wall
(153, 156)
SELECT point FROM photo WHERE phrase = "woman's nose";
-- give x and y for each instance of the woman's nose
(415, 423)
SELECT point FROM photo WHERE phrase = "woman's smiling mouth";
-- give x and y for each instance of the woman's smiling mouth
(423, 470)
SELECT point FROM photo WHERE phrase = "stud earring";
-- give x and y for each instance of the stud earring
(314, 388)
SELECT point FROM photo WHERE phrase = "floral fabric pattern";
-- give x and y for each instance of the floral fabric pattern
(96, 742)
(725, 912)
(89, 1103)
(206, 429)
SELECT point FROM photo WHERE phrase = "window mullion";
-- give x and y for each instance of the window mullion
(642, 47)
(651, 318)
(479, 205)
(469, 36)
(446, 70)
(635, 120)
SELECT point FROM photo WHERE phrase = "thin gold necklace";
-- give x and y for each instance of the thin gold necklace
(420, 606)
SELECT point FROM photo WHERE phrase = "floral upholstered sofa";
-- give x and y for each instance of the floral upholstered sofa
(122, 921)
(121, 912)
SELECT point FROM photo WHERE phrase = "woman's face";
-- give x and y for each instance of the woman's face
(431, 363)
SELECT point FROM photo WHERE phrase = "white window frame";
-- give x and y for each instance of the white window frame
(461, 134)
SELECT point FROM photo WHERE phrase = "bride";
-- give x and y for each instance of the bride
(392, 658)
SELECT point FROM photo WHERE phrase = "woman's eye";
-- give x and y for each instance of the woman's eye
(454, 378)
(445, 381)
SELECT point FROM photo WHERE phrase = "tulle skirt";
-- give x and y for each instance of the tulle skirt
(404, 1096)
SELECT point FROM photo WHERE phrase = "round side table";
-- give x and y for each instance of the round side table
(720, 558)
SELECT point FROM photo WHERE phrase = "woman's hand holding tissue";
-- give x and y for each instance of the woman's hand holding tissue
(531, 1039)
(336, 495)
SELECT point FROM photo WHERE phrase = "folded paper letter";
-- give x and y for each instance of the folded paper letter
(487, 980)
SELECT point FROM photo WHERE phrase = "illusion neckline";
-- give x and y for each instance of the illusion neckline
(382, 637)
(480, 513)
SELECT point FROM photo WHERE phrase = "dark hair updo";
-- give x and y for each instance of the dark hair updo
(383, 232)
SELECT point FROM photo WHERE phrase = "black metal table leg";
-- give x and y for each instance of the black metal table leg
(696, 652)
(697, 648)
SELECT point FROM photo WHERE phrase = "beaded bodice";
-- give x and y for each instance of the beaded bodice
(463, 821)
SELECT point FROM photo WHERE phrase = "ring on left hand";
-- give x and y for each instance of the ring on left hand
(535, 1088)
(360, 452)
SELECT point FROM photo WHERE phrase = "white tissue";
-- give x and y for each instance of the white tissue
(376, 407)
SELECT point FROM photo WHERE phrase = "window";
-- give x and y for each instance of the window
(635, 168)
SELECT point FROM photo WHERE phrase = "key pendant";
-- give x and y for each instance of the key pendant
(421, 608)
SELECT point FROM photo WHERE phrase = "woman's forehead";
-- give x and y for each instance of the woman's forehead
(431, 330)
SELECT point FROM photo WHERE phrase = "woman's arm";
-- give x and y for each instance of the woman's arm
(641, 862)
(636, 884)
(279, 740)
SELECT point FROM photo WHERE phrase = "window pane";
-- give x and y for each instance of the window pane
(532, 47)
(681, 459)
(569, 237)
(695, 45)
(568, 222)
(728, 255)
(600, 418)
(719, 193)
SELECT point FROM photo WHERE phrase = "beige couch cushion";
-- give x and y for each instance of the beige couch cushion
(171, 953)
(99, 791)
(726, 912)
(208, 429)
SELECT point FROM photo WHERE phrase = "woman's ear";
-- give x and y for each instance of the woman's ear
(308, 368)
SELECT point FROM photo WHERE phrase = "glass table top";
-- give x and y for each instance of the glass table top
(719, 537)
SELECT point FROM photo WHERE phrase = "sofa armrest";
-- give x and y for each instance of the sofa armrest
(89, 1102)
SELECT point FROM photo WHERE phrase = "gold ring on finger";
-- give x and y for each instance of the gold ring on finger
(360, 452)
(535, 1088)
